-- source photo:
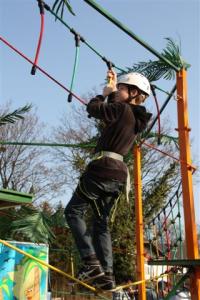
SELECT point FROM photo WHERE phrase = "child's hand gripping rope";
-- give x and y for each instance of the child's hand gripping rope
(111, 85)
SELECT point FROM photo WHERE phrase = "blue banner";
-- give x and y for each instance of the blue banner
(22, 278)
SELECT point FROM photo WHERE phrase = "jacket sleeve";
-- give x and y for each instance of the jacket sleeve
(107, 112)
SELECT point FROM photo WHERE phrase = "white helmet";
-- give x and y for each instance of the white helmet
(137, 79)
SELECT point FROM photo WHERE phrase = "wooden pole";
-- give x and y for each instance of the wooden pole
(139, 222)
(186, 174)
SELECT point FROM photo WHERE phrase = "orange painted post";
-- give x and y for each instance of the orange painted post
(186, 174)
(139, 222)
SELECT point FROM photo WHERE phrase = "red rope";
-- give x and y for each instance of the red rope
(83, 101)
(41, 70)
(39, 44)
(170, 155)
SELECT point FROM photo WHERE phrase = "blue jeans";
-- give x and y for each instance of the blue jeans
(101, 196)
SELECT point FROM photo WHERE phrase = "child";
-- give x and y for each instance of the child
(105, 176)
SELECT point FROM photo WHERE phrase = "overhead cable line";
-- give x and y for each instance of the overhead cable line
(124, 28)
(82, 39)
(83, 145)
(170, 94)
(77, 38)
(190, 167)
(47, 7)
(43, 71)
(78, 98)
(158, 114)
(43, 263)
(80, 145)
(158, 88)
(109, 64)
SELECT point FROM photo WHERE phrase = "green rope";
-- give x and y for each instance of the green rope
(77, 39)
(75, 67)
(72, 30)
(116, 67)
(88, 45)
(179, 283)
(158, 88)
(80, 145)
(107, 15)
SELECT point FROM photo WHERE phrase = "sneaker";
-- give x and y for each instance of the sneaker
(106, 283)
(90, 271)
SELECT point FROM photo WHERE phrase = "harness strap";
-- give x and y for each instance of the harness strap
(116, 156)
(110, 154)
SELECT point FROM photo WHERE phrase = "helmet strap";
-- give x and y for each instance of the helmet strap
(140, 95)
(130, 98)
(129, 93)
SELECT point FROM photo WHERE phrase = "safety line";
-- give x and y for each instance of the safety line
(41, 8)
(48, 144)
(108, 16)
(71, 277)
(161, 90)
(48, 265)
(170, 155)
(81, 100)
(66, 89)
(41, 70)
(87, 146)
(140, 282)
(47, 7)
(77, 45)
(82, 39)
(160, 112)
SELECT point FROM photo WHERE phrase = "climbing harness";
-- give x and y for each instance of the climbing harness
(116, 156)
(83, 190)
(110, 154)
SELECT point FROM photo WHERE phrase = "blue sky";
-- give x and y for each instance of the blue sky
(152, 21)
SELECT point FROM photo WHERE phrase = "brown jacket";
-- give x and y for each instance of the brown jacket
(122, 122)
